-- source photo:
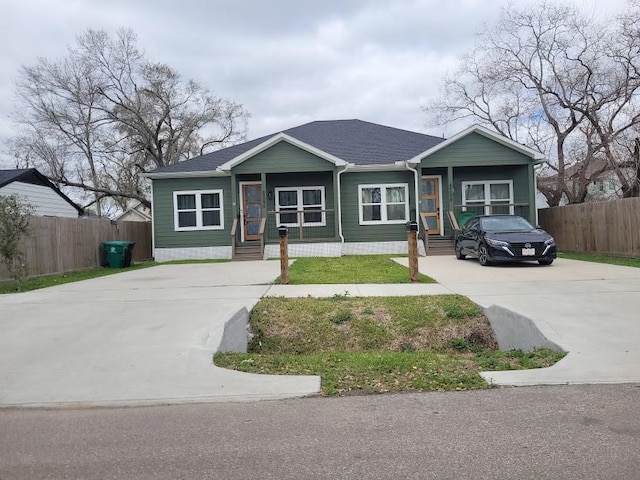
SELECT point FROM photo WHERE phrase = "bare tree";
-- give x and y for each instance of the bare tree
(562, 82)
(104, 114)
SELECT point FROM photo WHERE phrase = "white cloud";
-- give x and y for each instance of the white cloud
(287, 61)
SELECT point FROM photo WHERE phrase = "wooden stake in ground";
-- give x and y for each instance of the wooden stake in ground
(412, 239)
(284, 255)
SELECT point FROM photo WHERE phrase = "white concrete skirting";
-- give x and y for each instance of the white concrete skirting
(191, 253)
(374, 248)
(328, 249)
(337, 249)
(333, 249)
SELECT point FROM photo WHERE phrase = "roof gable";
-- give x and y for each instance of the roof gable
(281, 137)
(485, 132)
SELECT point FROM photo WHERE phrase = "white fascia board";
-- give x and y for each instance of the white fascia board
(377, 168)
(278, 138)
(208, 173)
(484, 131)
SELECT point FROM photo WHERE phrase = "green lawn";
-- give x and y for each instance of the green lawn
(51, 280)
(350, 269)
(593, 257)
(378, 344)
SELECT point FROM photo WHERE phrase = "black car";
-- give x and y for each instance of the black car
(504, 238)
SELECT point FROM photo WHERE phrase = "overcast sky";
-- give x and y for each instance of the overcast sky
(287, 61)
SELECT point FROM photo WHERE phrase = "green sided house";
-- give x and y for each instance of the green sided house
(341, 187)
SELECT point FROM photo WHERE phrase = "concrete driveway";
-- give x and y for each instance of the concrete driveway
(138, 337)
(592, 310)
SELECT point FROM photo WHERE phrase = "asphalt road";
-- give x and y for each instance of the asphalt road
(570, 432)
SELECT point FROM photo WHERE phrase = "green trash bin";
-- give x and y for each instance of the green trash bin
(115, 253)
(464, 217)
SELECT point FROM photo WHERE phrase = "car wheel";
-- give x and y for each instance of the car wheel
(483, 256)
(545, 261)
(459, 254)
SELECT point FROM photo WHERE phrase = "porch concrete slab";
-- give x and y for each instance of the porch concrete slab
(357, 290)
(589, 309)
(139, 337)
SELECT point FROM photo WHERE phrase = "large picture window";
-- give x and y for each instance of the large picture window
(489, 197)
(300, 205)
(198, 210)
(383, 204)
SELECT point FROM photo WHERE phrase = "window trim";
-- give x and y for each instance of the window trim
(383, 204)
(487, 192)
(199, 210)
(300, 205)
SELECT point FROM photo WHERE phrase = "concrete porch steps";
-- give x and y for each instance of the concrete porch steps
(440, 246)
(248, 251)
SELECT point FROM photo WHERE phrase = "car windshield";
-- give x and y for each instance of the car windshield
(505, 224)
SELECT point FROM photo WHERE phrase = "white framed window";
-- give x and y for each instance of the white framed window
(198, 210)
(383, 204)
(489, 197)
(297, 205)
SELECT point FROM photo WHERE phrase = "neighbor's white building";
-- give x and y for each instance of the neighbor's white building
(37, 190)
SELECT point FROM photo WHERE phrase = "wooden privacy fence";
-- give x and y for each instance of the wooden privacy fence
(58, 245)
(611, 227)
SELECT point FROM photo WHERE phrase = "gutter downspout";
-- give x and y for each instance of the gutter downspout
(416, 192)
(153, 225)
(340, 202)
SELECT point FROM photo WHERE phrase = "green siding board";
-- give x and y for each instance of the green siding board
(351, 228)
(283, 157)
(164, 232)
(475, 149)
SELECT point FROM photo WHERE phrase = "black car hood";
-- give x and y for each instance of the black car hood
(531, 236)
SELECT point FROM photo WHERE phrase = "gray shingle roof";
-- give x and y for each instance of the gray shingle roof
(354, 141)
(8, 176)
(31, 175)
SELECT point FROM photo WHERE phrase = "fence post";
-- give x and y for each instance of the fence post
(412, 239)
(284, 255)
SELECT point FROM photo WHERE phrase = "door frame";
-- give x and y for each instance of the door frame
(440, 206)
(240, 185)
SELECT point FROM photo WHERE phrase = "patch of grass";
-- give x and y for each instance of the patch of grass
(366, 372)
(517, 359)
(312, 325)
(45, 281)
(592, 257)
(350, 269)
(380, 344)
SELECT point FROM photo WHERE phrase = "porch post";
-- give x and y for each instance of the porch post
(450, 186)
(533, 211)
(263, 180)
(234, 197)
(336, 202)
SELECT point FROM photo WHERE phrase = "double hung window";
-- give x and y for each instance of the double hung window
(198, 210)
(383, 204)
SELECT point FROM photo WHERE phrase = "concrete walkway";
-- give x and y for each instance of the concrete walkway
(592, 310)
(145, 336)
(139, 337)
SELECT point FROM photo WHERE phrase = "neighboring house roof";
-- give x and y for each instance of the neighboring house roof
(591, 170)
(33, 176)
(136, 208)
(338, 141)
